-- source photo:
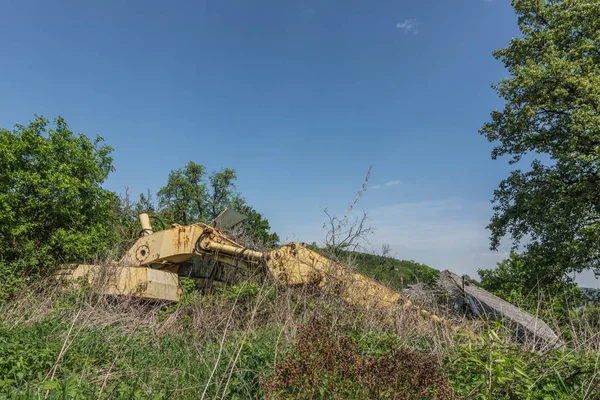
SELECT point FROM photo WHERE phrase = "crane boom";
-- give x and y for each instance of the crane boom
(150, 267)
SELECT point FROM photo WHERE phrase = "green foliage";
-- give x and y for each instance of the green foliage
(188, 198)
(532, 287)
(11, 280)
(492, 368)
(552, 111)
(24, 355)
(187, 284)
(242, 291)
(223, 190)
(185, 196)
(396, 274)
(255, 226)
(586, 317)
(376, 344)
(53, 208)
(137, 364)
(127, 215)
(330, 357)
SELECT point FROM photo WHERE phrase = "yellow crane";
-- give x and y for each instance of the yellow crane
(152, 266)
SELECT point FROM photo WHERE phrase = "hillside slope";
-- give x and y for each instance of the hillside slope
(393, 272)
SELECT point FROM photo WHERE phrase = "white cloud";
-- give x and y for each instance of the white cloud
(390, 183)
(409, 26)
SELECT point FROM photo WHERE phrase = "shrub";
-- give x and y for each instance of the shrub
(53, 208)
(494, 368)
(326, 362)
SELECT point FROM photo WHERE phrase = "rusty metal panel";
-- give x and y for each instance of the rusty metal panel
(228, 219)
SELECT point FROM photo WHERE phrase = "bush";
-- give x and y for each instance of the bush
(53, 208)
(134, 365)
(325, 362)
(494, 368)
(533, 287)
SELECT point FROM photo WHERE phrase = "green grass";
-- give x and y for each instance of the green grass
(495, 368)
(107, 362)
(254, 341)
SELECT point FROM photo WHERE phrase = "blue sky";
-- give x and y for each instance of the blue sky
(300, 97)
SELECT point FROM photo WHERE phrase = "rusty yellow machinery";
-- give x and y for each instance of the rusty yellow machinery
(152, 267)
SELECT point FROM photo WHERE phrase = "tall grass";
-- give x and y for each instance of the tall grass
(259, 340)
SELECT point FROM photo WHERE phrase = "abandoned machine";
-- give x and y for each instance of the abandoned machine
(152, 268)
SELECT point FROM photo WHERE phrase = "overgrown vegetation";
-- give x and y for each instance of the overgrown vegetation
(52, 205)
(532, 288)
(326, 361)
(54, 210)
(256, 340)
(551, 115)
(394, 273)
(495, 368)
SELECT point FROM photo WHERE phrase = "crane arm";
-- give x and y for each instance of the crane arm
(150, 267)
(291, 264)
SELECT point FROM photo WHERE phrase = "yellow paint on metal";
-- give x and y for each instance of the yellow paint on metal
(139, 282)
(234, 251)
(295, 264)
(149, 268)
(145, 222)
(179, 244)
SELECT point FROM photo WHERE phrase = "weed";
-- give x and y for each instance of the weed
(326, 362)
(496, 368)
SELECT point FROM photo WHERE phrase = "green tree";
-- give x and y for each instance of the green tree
(222, 190)
(127, 215)
(551, 114)
(53, 208)
(533, 286)
(190, 197)
(185, 197)
(256, 225)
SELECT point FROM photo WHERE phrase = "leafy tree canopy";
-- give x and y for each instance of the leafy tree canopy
(185, 195)
(127, 217)
(552, 109)
(533, 286)
(53, 208)
(190, 196)
(255, 226)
